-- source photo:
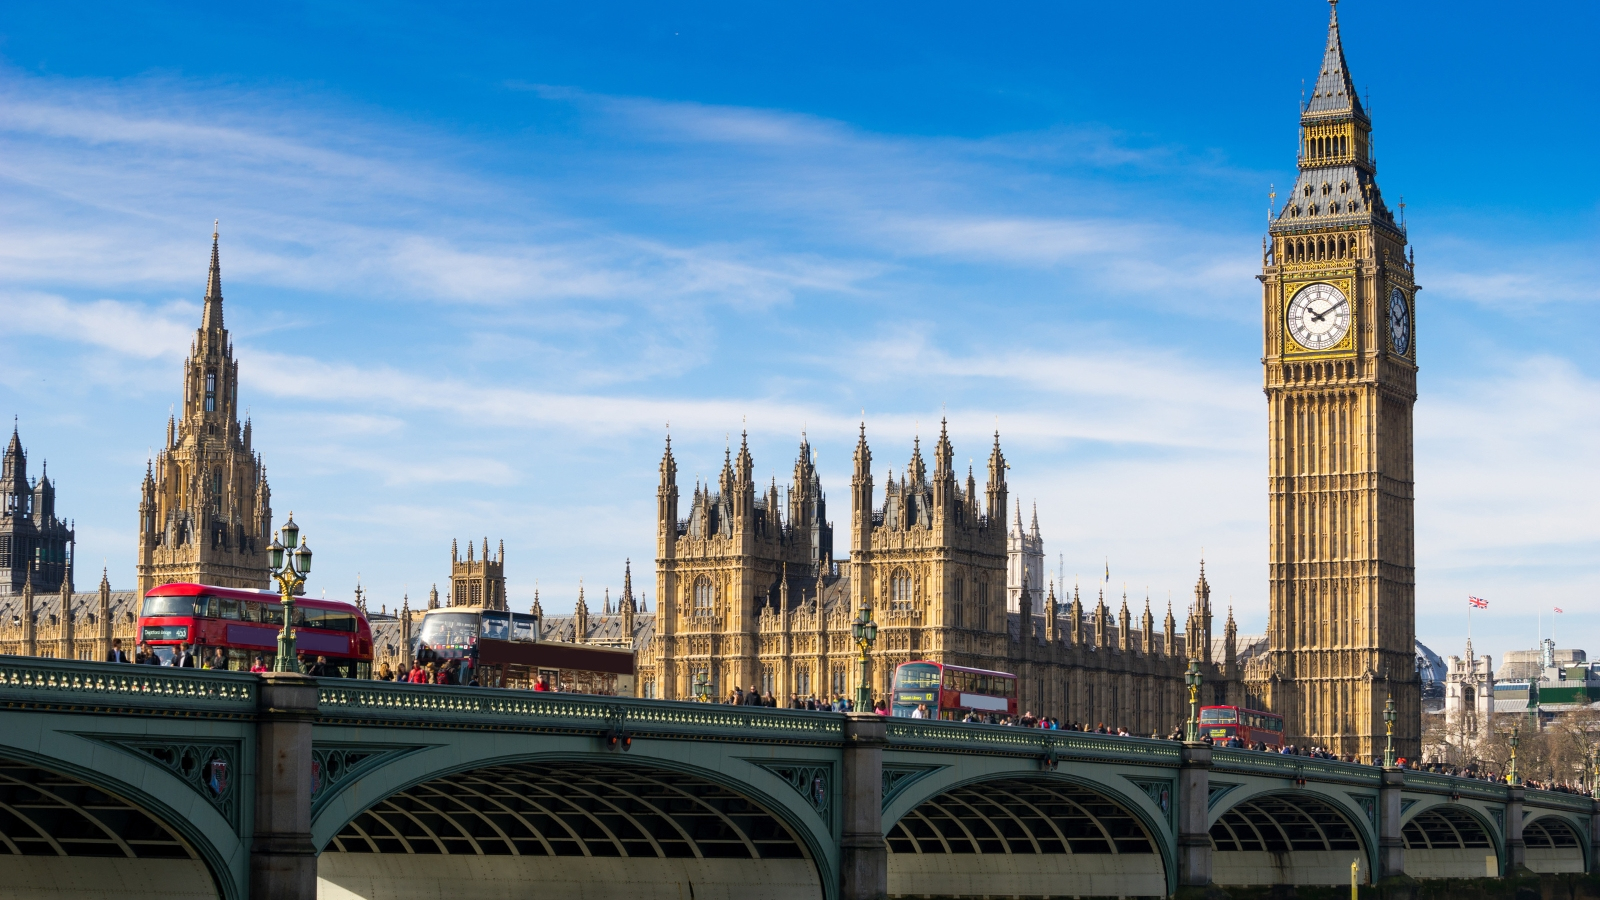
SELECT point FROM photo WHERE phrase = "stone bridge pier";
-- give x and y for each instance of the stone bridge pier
(185, 785)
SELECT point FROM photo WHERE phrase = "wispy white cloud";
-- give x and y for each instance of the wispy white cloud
(459, 335)
(126, 328)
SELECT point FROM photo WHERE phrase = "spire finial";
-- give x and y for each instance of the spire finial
(212, 317)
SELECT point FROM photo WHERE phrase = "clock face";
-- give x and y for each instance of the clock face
(1319, 316)
(1399, 321)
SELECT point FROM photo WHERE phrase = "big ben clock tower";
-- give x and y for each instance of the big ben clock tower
(1340, 342)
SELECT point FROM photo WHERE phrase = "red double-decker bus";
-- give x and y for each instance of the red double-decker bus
(1252, 726)
(245, 624)
(950, 692)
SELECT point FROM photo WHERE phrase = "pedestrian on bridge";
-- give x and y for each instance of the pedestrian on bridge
(116, 654)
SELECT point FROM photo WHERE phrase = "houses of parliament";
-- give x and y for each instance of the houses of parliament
(752, 589)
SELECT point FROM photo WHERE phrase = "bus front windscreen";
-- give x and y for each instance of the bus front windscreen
(169, 606)
(449, 630)
(1218, 717)
(916, 677)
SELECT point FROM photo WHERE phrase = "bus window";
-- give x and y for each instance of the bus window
(496, 626)
(330, 620)
(450, 629)
(1218, 716)
(230, 608)
(522, 627)
(916, 676)
(270, 614)
(168, 606)
(213, 608)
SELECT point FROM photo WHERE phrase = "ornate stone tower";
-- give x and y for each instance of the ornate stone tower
(1024, 561)
(35, 546)
(478, 582)
(717, 570)
(931, 562)
(1340, 380)
(205, 512)
(1468, 701)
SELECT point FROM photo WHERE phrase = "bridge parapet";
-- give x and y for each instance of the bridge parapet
(1256, 762)
(1558, 800)
(925, 734)
(76, 686)
(1476, 788)
(340, 701)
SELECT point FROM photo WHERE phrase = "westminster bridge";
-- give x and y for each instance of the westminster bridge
(138, 781)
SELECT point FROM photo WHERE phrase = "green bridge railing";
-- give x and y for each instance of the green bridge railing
(28, 682)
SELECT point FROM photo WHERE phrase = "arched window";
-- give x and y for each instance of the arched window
(211, 392)
(900, 590)
(956, 602)
(702, 596)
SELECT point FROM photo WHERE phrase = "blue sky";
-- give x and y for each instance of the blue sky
(477, 257)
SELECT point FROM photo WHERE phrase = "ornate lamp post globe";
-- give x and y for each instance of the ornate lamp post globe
(1389, 717)
(702, 687)
(1516, 739)
(1192, 680)
(290, 562)
(865, 632)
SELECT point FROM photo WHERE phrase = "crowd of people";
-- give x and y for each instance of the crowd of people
(189, 656)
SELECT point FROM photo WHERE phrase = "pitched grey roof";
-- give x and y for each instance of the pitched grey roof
(1334, 93)
(85, 606)
(602, 629)
(1359, 202)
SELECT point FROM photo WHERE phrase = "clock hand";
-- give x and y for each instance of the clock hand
(1317, 317)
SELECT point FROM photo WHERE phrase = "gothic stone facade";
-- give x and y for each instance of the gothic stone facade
(67, 625)
(205, 513)
(744, 598)
(477, 581)
(1341, 380)
(36, 547)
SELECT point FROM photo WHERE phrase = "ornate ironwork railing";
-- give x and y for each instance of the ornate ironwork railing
(1258, 762)
(916, 734)
(430, 705)
(34, 682)
(1559, 800)
(1436, 783)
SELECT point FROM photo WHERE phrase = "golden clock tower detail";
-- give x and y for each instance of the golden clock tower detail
(1341, 379)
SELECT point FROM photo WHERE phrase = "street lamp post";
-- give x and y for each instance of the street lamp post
(1516, 739)
(702, 687)
(1388, 731)
(865, 631)
(1192, 679)
(290, 564)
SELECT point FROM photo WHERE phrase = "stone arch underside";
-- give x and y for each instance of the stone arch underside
(1285, 839)
(1553, 845)
(1033, 837)
(1446, 842)
(573, 828)
(61, 837)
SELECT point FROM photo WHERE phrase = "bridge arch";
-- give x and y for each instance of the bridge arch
(1028, 834)
(600, 826)
(1554, 844)
(66, 832)
(1288, 837)
(1450, 841)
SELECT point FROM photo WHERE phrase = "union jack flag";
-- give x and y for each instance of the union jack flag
(1478, 602)
(1560, 610)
